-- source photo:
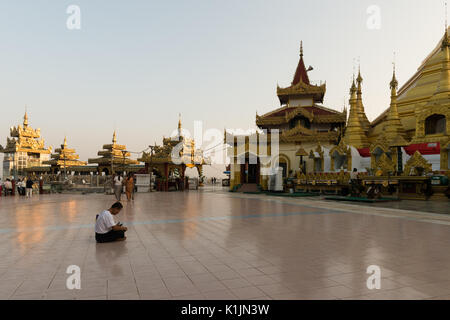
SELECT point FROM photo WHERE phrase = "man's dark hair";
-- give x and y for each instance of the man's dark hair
(117, 205)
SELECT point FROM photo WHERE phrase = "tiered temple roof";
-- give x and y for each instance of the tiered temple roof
(115, 154)
(301, 100)
(186, 153)
(25, 139)
(65, 157)
(301, 86)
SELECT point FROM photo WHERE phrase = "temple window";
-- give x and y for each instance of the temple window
(377, 153)
(340, 161)
(435, 124)
(283, 164)
(299, 121)
(318, 165)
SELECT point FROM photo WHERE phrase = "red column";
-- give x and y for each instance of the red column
(13, 191)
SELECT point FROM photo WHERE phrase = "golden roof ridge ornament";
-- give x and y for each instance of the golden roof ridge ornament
(25, 119)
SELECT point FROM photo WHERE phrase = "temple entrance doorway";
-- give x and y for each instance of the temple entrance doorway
(250, 171)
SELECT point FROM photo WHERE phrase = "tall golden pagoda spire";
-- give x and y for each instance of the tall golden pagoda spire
(393, 126)
(354, 133)
(359, 103)
(114, 139)
(443, 89)
(65, 143)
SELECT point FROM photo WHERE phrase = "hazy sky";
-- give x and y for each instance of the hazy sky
(135, 65)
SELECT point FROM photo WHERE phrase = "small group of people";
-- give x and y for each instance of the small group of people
(6, 188)
(129, 183)
(24, 187)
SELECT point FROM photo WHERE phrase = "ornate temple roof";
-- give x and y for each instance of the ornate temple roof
(316, 113)
(114, 153)
(25, 139)
(301, 86)
(175, 150)
(64, 157)
(301, 75)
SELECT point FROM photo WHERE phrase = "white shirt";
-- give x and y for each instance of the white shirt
(118, 181)
(105, 222)
(353, 175)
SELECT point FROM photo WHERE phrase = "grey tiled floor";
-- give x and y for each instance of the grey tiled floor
(217, 245)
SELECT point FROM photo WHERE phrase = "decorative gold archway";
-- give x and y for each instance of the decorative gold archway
(284, 158)
(343, 150)
(383, 145)
(384, 165)
(321, 153)
(417, 161)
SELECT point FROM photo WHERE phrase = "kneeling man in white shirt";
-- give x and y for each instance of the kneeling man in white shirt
(106, 229)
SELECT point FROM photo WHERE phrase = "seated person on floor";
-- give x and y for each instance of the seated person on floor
(106, 229)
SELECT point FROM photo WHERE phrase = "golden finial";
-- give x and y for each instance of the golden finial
(353, 86)
(25, 118)
(114, 140)
(65, 143)
(359, 79)
(301, 48)
(445, 42)
(394, 82)
(446, 17)
(179, 121)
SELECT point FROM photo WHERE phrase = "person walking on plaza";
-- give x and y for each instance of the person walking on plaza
(8, 187)
(29, 187)
(118, 186)
(21, 185)
(129, 187)
(106, 229)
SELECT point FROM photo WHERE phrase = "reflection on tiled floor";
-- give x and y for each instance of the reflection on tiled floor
(218, 245)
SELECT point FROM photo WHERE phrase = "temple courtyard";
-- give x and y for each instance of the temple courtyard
(212, 244)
